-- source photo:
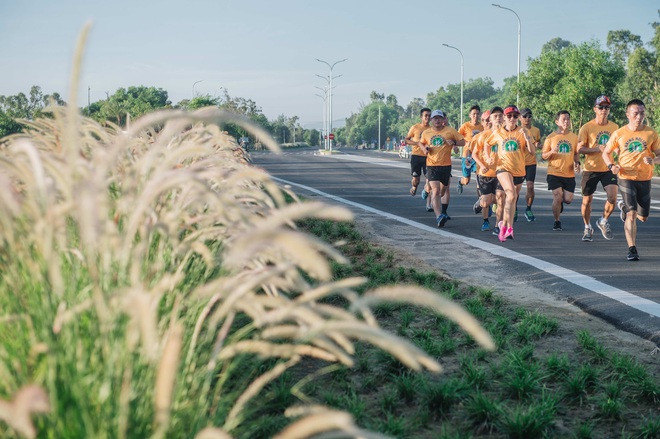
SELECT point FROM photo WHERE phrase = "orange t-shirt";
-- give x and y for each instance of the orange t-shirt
(439, 151)
(632, 147)
(414, 134)
(511, 147)
(535, 134)
(594, 135)
(467, 130)
(478, 145)
(561, 164)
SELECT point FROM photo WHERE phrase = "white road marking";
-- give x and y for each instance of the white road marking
(586, 282)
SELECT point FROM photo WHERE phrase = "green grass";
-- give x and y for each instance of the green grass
(507, 393)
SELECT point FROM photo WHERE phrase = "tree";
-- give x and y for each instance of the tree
(133, 101)
(376, 97)
(555, 44)
(25, 107)
(622, 43)
(202, 101)
(568, 79)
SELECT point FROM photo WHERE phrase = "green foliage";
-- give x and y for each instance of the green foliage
(568, 79)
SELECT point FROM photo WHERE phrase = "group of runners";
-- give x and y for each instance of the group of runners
(500, 146)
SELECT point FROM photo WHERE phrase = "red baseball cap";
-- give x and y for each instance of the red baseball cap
(511, 109)
(602, 100)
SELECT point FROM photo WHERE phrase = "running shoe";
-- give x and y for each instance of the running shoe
(501, 236)
(485, 226)
(459, 188)
(442, 219)
(632, 254)
(622, 214)
(604, 226)
(529, 215)
(429, 208)
(509, 233)
(496, 230)
(588, 235)
(557, 226)
(477, 207)
(424, 194)
(515, 216)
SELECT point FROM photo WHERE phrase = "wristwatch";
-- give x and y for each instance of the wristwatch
(609, 167)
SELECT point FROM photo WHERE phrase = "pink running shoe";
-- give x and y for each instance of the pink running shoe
(508, 233)
(502, 234)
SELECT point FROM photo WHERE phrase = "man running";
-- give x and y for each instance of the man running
(437, 143)
(592, 138)
(417, 157)
(638, 148)
(486, 176)
(468, 130)
(530, 161)
(560, 149)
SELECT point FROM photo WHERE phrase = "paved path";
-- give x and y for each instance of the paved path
(593, 275)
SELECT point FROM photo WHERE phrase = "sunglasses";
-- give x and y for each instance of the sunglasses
(512, 116)
(603, 107)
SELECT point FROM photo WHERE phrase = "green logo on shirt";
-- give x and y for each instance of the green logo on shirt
(635, 146)
(603, 138)
(564, 147)
(437, 141)
(510, 146)
(493, 147)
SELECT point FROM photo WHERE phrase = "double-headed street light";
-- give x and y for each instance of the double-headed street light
(330, 95)
(519, 28)
(461, 53)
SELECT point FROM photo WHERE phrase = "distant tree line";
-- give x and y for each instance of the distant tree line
(133, 102)
(565, 76)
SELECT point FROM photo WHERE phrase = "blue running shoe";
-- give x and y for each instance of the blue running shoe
(425, 194)
(485, 226)
(442, 220)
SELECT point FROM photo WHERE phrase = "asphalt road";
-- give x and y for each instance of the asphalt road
(593, 275)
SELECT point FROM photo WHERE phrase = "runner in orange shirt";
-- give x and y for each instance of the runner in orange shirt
(591, 142)
(530, 162)
(468, 130)
(417, 157)
(486, 177)
(560, 149)
(437, 142)
(638, 148)
(511, 141)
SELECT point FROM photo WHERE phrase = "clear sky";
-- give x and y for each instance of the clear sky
(265, 50)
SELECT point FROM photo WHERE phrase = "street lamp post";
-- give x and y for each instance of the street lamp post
(379, 127)
(330, 95)
(193, 87)
(461, 53)
(324, 109)
(328, 127)
(519, 29)
(325, 114)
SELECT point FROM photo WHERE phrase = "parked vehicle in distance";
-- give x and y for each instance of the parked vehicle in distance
(405, 151)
